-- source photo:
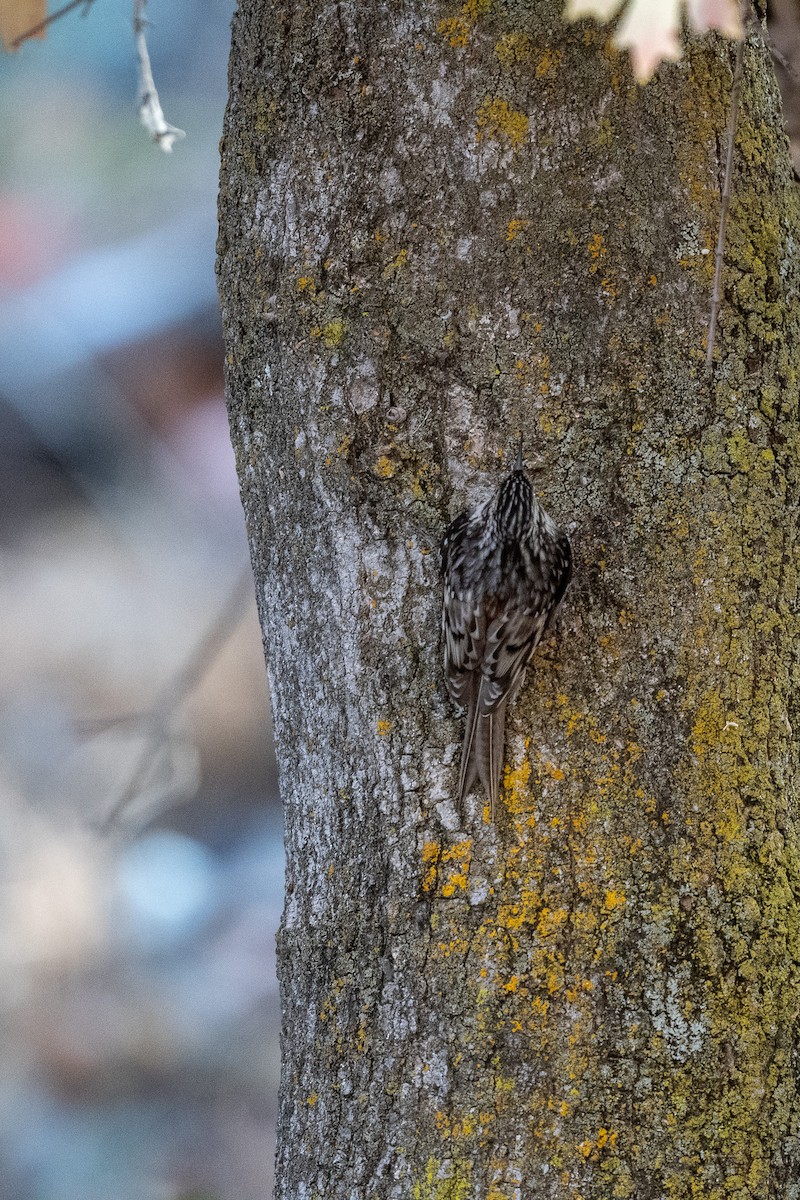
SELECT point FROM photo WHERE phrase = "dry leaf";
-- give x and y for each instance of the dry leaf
(601, 10)
(651, 29)
(724, 15)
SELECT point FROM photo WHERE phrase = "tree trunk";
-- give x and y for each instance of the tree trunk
(442, 225)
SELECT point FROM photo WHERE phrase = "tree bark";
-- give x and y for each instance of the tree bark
(441, 225)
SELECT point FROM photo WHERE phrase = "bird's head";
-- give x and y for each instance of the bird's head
(516, 507)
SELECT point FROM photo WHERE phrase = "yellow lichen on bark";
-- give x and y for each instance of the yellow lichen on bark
(496, 120)
(457, 29)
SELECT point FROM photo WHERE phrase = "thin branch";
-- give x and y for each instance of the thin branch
(180, 687)
(35, 30)
(151, 113)
(91, 727)
(787, 64)
(733, 117)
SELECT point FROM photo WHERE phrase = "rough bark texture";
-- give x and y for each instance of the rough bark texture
(440, 225)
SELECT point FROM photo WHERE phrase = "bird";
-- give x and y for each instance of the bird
(506, 567)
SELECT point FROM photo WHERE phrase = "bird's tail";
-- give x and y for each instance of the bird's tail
(489, 741)
(482, 753)
(469, 766)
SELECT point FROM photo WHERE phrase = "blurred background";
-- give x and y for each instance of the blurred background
(140, 837)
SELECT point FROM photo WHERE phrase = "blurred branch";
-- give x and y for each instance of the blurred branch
(151, 113)
(89, 727)
(179, 688)
(35, 30)
(788, 66)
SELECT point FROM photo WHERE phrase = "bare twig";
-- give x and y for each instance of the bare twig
(779, 56)
(35, 30)
(181, 686)
(89, 727)
(733, 116)
(151, 113)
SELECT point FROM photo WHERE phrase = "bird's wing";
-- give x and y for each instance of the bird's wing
(562, 573)
(511, 639)
(463, 619)
(516, 630)
(464, 637)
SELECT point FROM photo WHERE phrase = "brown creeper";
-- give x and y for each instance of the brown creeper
(506, 568)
